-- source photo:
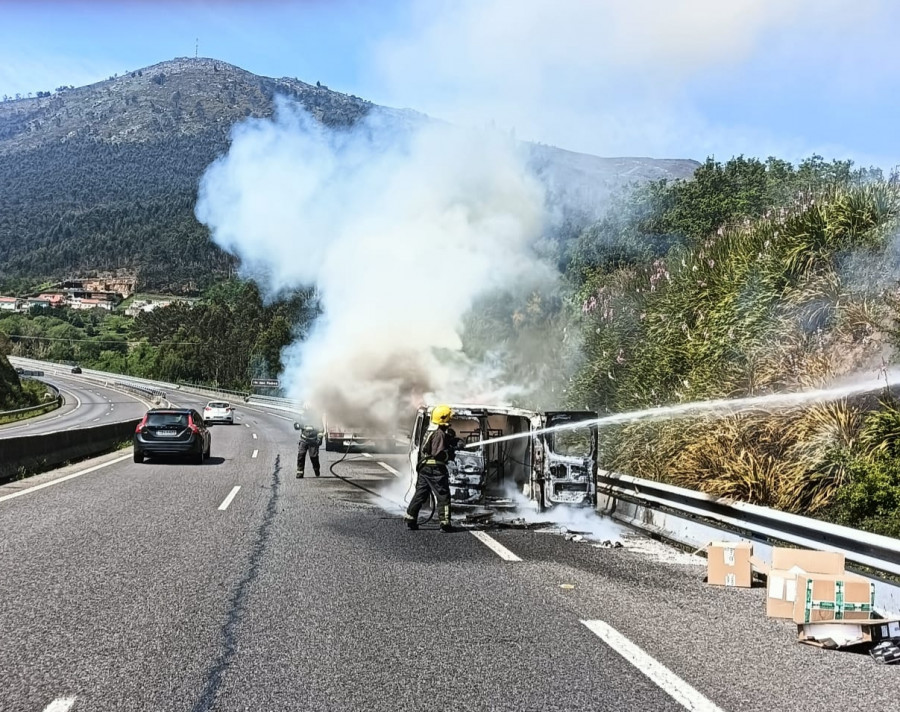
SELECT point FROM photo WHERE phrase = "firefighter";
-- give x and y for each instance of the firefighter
(431, 472)
(310, 440)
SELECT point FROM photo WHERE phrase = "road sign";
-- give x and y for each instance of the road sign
(264, 382)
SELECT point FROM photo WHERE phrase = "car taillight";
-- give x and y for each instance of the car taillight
(207, 408)
(192, 426)
(141, 425)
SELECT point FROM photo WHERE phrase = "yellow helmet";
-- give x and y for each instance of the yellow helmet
(441, 415)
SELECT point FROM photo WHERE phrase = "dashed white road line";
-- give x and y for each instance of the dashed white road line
(390, 469)
(367, 454)
(62, 479)
(255, 453)
(495, 546)
(227, 500)
(677, 689)
(60, 704)
(254, 436)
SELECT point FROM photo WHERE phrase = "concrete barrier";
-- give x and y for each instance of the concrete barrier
(35, 453)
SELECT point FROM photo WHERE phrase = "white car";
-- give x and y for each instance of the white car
(218, 412)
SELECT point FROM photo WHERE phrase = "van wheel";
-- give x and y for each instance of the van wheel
(138, 456)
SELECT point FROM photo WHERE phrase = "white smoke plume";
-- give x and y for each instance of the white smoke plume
(399, 231)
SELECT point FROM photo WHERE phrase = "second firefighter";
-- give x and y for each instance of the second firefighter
(310, 440)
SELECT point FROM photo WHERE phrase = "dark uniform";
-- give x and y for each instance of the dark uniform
(432, 476)
(310, 440)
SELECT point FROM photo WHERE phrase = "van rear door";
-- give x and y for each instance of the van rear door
(570, 457)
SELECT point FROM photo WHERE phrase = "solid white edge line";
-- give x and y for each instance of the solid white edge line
(227, 500)
(495, 546)
(62, 479)
(60, 704)
(255, 453)
(674, 686)
(390, 469)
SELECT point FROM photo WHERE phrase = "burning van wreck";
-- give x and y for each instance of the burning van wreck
(550, 468)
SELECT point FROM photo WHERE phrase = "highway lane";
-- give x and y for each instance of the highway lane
(131, 588)
(86, 404)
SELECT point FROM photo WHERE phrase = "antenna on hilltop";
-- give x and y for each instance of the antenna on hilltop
(196, 47)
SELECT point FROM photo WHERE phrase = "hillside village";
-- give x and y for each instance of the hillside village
(111, 293)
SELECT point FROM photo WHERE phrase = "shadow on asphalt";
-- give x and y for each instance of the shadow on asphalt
(177, 460)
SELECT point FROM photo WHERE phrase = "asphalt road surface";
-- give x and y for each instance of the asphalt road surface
(233, 585)
(86, 403)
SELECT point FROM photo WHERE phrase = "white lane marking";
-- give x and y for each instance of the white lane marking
(62, 479)
(246, 425)
(60, 704)
(495, 546)
(367, 454)
(255, 453)
(224, 505)
(254, 436)
(678, 689)
(390, 469)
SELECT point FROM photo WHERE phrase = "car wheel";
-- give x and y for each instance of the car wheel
(138, 456)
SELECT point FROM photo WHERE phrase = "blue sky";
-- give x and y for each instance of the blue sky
(662, 78)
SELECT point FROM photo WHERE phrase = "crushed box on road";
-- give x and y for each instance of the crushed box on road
(787, 565)
(847, 633)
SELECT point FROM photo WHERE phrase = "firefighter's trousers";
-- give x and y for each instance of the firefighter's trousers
(431, 478)
(313, 450)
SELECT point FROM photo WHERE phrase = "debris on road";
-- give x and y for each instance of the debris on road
(886, 652)
(841, 634)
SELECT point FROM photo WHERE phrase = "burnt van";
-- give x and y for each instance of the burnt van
(545, 456)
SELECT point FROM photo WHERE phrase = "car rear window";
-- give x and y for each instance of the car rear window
(218, 404)
(175, 419)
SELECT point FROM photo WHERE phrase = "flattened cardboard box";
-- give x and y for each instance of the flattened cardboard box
(787, 564)
(843, 634)
(826, 597)
(728, 563)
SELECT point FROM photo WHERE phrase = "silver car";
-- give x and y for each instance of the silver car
(218, 412)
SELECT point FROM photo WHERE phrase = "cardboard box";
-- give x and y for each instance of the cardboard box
(728, 563)
(829, 597)
(787, 565)
(809, 560)
(846, 633)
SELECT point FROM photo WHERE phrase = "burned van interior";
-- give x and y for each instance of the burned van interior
(489, 472)
(549, 468)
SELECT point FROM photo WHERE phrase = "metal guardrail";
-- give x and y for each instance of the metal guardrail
(694, 518)
(56, 400)
(878, 552)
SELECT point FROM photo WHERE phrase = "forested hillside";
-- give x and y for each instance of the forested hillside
(105, 176)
